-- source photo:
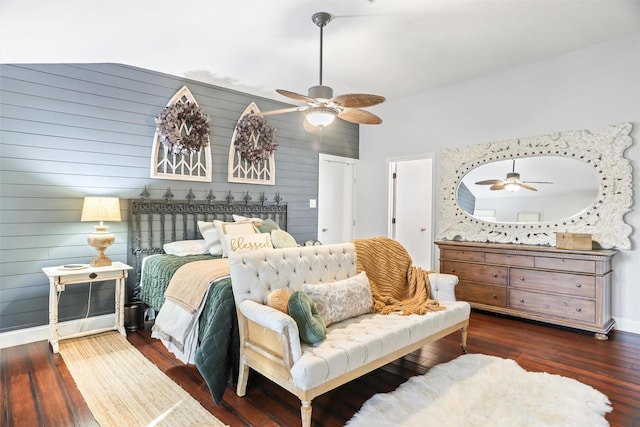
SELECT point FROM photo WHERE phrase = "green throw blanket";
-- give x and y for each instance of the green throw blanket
(218, 354)
(158, 271)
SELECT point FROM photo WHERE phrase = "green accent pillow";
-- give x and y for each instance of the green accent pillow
(282, 239)
(268, 225)
(305, 312)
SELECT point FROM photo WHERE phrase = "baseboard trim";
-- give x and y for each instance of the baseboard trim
(627, 325)
(41, 333)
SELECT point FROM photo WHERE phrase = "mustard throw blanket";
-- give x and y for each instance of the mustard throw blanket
(396, 284)
(189, 284)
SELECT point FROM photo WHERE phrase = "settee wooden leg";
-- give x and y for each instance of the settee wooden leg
(305, 413)
(243, 377)
(463, 339)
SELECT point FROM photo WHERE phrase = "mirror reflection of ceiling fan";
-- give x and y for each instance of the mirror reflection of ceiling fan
(512, 182)
(322, 107)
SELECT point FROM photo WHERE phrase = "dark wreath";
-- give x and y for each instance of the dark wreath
(183, 128)
(266, 145)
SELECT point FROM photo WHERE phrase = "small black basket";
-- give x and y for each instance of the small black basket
(134, 316)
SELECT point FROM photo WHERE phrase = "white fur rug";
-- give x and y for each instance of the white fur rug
(480, 390)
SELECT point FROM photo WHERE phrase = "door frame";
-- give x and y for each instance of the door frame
(346, 160)
(391, 161)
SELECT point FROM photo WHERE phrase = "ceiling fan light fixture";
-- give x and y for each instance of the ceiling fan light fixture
(321, 116)
(512, 186)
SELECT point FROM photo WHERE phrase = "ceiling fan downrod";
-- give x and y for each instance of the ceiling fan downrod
(321, 19)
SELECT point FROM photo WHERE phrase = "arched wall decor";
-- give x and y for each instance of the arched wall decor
(185, 167)
(242, 170)
(604, 219)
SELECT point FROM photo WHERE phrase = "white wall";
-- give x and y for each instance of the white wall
(589, 88)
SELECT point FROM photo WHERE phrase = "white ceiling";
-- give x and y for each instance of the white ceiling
(388, 47)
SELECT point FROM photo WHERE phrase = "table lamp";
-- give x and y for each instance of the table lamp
(101, 209)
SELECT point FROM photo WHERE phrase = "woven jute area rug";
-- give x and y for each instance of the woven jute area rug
(123, 388)
(479, 390)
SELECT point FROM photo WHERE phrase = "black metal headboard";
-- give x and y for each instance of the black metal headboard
(154, 222)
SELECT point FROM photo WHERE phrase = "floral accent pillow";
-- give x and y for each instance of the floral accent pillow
(343, 299)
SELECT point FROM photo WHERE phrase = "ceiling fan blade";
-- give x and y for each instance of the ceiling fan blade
(357, 100)
(528, 187)
(497, 186)
(538, 182)
(296, 96)
(281, 111)
(355, 115)
(309, 127)
(489, 182)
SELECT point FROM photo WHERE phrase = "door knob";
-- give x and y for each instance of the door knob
(423, 229)
(324, 230)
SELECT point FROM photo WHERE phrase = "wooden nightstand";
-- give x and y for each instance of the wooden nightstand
(62, 276)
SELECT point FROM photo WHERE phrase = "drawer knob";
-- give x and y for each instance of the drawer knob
(578, 309)
(522, 279)
(522, 300)
(93, 276)
(494, 296)
(453, 270)
(495, 274)
(578, 285)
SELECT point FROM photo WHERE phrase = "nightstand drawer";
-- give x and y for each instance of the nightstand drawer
(94, 276)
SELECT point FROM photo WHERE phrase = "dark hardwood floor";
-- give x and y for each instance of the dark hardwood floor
(37, 389)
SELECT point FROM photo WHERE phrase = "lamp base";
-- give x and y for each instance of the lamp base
(101, 240)
(101, 261)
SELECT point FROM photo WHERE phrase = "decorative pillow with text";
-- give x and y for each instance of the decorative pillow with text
(242, 243)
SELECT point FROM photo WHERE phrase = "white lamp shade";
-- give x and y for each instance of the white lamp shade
(101, 209)
(321, 116)
(511, 186)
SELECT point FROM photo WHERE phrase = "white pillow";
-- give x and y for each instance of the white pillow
(242, 243)
(343, 299)
(210, 235)
(186, 247)
(282, 239)
(240, 218)
(225, 229)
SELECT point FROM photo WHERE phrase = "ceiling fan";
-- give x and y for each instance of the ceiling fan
(512, 182)
(322, 107)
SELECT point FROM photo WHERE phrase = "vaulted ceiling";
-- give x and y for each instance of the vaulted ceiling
(388, 47)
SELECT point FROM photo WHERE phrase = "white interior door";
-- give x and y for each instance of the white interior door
(411, 208)
(336, 199)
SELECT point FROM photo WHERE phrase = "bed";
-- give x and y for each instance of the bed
(167, 223)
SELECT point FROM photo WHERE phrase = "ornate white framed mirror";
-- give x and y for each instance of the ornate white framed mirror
(574, 181)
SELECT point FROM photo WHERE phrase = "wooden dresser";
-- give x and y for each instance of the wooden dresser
(560, 286)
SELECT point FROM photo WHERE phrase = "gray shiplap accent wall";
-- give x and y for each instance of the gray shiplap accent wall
(70, 130)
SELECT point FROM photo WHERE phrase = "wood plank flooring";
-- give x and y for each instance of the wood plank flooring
(37, 389)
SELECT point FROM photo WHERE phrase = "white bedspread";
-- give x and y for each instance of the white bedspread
(177, 328)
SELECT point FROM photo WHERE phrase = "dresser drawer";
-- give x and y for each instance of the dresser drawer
(489, 295)
(551, 281)
(572, 265)
(553, 305)
(483, 274)
(508, 259)
(462, 255)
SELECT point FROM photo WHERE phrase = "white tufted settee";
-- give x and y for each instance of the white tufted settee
(269, 340)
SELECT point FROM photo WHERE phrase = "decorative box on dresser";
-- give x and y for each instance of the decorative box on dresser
(561, 286)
